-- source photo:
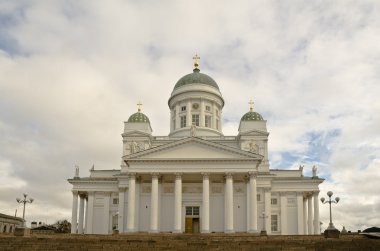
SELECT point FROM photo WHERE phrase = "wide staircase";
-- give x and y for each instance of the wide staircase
(185, 242)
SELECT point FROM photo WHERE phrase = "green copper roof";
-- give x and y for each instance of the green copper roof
(196, 77)
(251, 116)
(138, 117)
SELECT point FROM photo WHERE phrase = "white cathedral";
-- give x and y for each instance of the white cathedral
(196, 180)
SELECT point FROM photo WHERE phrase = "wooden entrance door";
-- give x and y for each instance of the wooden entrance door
(189, 225)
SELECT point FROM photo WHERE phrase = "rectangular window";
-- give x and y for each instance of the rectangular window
(208, 108)
(217, 124)
(183, 108)
(195, 119)
(174, 124)
(192, 211)
(273, 201)
(258, 197)
(208, 121)
(183, 121)
(274, 223)
(115, 201)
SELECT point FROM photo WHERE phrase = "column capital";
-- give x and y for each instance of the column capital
(75, 192)
(253, 174)
(82, 195)
(267, 189)
(229, 175)
(205, 175)
(155, 175)
(122, 189)
(178, 175)
(131, 175)
(315, 193)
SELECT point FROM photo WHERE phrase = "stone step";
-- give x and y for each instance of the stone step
(184, 242)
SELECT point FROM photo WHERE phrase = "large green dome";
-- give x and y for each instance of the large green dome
(138, 117)
(196, 78)
(251, 116)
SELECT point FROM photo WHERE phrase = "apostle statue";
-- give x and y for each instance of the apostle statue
(314, 170)
(193, 130)
(76, 171)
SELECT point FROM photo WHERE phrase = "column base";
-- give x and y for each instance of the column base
(177, 231)
(263, 233)
(205, 231)
(229, 231)
(252, 231)
(331, 233)
(153, 231)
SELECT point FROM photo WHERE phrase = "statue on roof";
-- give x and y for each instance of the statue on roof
(193, 130)
(301, 169)
(76, 171)
(314, 170)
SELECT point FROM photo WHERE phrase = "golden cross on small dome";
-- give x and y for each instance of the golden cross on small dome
(250, 105)
(196, 61)
(139, 106)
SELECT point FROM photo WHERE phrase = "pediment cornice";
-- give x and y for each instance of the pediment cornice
(237, 153)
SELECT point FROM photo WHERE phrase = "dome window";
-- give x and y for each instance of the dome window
(208, 108)
(208, 121)
(183, 121)
(195, 119)
(183, 108)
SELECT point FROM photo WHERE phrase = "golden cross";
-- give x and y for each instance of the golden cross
(196, 61)
(139, 106)
(250, 105)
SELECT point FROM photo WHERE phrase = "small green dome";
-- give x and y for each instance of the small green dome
(138, 117)
(196, 78)
(251, 116)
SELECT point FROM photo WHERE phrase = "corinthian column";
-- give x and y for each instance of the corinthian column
(253, 202)
(206, 204)
(154, 204)
(284, 214)
(120, 219)
(81, 213)
(74, 213)
(300, 213)
(316, 213)
(229, 205)
(178, 203)
(131, 214)
(309, 215)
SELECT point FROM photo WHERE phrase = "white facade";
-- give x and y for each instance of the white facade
(196, 179)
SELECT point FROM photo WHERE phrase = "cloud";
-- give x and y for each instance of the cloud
(71, 72)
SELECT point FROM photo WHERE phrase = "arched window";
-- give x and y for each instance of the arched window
(10, 229)
(5, 229)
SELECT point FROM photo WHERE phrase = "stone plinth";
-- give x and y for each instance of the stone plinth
(22, 231)
(332, 233)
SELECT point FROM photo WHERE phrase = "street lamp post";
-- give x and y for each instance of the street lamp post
(24, 201)
(331, 231)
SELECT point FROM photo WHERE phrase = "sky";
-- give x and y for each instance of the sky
(72, 71)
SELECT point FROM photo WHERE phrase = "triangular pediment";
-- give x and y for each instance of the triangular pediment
(136, 133)
(193, 148)
(254, 133)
